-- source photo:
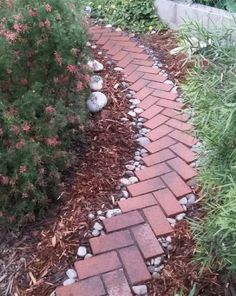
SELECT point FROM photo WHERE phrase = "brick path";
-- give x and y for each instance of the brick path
(132, 237)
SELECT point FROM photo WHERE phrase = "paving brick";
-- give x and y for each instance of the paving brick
(109, 45)
(160, 144)
(156, 121)
(92, 287)
(102, 40)
(151, 112)
(175, 114)
(152, 171)
(160, 86)
(149, 70)
(148, 102)
(115, 50)
(170, 104)
(146, 186)
(183, 126)
(183, 169)
(112, 241)
(165, 95)
(122, 221)
(168, 202)
(130, 69)
(143, 93)
(137, 203)
(155, 77)
(134, 265)
(176, 184)
(120, 55)
(184, 152)
(157, 221)
(139, 84)
(116, 283)
(133, 49)
(140, 56)
(183, 138)
(145, 63)
(104, 263)
(147, 242)
(134, 76)
(158, 157)
(125, 61)
(159, 132)
(119, 38)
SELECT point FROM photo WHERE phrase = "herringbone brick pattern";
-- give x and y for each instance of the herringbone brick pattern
(132, 237)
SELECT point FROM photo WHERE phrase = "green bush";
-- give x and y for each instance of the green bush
(229, 5)
(211, 90)
(135, 15)
(42, 85)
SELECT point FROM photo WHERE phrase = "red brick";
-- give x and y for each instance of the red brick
(111, 242)
(183, 169)
(157, 221)
(134, 265)
(165, 95)
(146, 186)
(156, 121)
(183, 126)
(159, 132)
(104, 263)
(123, 221)
(115, 50)
(130, 69)
(158, 157)
(176, 184)
(160, 144)
(124, 62)
(137, 203)
(109, 45)
(183, 137)
(148, 102)
(142, 94)
(184, 152)
(146, 63)
(140, 56)
(153, 171)
(95, 36)
(112, 34)
(120, 55)
(119, 38)
(102, 40)
(170, 104)
(147, 242)
(155, 77)
(151, 112)
(139, 84)
(175, 114)
(168, 202)
(116, 284)
(134, 76)
(92, 286)
(149, 70)
(133, 49)
(160, 86)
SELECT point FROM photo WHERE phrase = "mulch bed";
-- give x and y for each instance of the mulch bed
(33, 261)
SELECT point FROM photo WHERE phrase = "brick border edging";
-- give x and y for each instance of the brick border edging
(136, 235)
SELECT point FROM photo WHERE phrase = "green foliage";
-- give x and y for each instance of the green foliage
(42, 90)
(135, 15)
(191, 293)
(211, 90)
(229, 5)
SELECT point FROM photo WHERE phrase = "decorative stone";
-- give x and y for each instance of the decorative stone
(180, 217)
(118, 69)
(88, 256)
(91, 216)
(71, 273)
(191, 199)
(99, 212)
(96, 82)
(113, 212)
(95, 66)
(95, 232)
(138, 110)
(129, 173)
(82, 251)
(135, 101)
(132, 113)
(133, 180)
(183, 201)
(137, 158)
(142, 141)
(140, 290)
(157, 261)
(96, 102)
(124, 181)
(130, 167)
(125, 193)
(98, 226)
(68, 282)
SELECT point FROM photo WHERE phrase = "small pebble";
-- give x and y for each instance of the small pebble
(133, 180)
(113, 212)
(98, 226)
(124, 181)
(68, 282)
(180, 217)
(183, 201)
(125, 193)
(95, 232)
(140, 290)
(91, 216)
(71, 273)
(82, 251)
(88, 256)
(99, 213)
(130, 167)
(138, 110)
(132, 113)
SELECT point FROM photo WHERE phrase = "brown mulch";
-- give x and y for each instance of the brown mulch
(33, 261)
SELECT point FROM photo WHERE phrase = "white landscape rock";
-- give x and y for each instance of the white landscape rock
(71, 273)
(133, 180)
(124, 181)
(68, 282)
(96, 83)
(82, 251)
(98, 226)
(113, 212)
(96, 102)
(143, 141)
(130, 167)
(140, 290)
(138, 110)
(95, 66)
(180, 217)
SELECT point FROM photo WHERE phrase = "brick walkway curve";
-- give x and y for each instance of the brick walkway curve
(120, 256)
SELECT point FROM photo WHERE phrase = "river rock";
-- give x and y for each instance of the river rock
(82, 251)
(71, 273)
(140, 290)
(68, 282)
(95, 66)
(96, 82)
(113, 212)
(96, 102)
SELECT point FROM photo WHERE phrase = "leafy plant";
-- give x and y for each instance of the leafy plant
(191, 293)
(135, 15)
(42, 85)
(211, 91)
(229, 5)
